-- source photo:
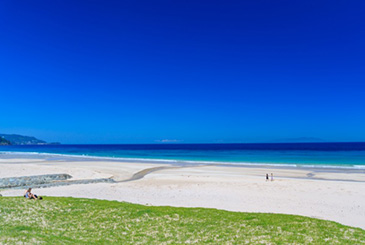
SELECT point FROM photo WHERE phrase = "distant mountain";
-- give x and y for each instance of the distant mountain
(4, 141)
(15, 139)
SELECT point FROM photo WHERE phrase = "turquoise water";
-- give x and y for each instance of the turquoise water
(347, 155)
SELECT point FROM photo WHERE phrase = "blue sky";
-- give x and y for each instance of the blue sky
(188, 71)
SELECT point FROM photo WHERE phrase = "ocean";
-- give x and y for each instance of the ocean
(335, 155)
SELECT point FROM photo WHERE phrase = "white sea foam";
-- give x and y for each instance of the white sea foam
(189, 162)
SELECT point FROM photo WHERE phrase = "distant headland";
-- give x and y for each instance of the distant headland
(15, 139)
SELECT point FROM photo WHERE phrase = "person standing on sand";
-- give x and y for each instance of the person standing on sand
(272, 177)
(267, 177)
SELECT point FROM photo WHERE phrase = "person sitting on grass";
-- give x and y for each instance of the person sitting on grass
(30, 195)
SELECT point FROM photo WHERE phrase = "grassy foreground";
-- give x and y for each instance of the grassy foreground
(72, 220)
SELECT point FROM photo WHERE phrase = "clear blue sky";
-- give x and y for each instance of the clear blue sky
(192, 71)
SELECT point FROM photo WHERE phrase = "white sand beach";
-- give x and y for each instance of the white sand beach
(321, 193)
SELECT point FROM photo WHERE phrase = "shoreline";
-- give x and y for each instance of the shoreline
(332, 194)
(71, 157)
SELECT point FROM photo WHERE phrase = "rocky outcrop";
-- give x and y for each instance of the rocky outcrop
(47, 180)
(32, 180)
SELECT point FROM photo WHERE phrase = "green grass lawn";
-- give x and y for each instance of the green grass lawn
(72, 220)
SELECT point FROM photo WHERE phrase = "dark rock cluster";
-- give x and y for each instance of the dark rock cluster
(46, 180)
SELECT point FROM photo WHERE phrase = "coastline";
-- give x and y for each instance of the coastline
(326, 193)
(178, 162)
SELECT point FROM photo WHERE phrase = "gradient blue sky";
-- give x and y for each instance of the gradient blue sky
(192, 71)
